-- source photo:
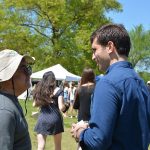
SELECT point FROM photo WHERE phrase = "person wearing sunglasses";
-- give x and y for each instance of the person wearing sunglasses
(15, 74)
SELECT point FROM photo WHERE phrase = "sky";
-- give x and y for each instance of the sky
(134, 12)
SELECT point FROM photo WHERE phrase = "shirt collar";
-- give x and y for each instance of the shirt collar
(124, 64)
(12, 97)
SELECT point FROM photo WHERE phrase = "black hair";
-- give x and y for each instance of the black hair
(115, 33)
(88, 75)
(44, 89)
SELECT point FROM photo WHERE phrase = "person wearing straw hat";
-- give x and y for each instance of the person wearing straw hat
(14, 80)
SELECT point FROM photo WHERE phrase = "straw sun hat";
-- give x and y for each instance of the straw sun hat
(9, 62)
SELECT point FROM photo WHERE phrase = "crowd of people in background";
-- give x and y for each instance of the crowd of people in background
(112, 111)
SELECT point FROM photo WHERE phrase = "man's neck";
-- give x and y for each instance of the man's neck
(120, 58)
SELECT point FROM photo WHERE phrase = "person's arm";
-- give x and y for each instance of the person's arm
(34, 104)
(104, 114)
(76, 104)
(69, 94)
(61, 103)
(63, 106)
(7, 129)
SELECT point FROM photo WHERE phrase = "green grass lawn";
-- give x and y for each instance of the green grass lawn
(68, 143)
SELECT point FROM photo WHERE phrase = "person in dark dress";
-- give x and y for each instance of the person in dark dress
(50, 100)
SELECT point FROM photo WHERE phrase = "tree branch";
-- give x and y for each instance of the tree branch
(27, 25)
(31, 24)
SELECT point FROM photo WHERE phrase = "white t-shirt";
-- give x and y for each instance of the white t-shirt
(72, 93)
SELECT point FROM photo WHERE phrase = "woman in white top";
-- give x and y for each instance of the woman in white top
(72, 92)
(66, 95)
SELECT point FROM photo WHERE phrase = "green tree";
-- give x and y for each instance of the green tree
(140, 44)
(140, 51)
(54, 31)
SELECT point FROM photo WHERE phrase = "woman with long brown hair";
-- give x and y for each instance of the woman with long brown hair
(50, 99)
(83, 94)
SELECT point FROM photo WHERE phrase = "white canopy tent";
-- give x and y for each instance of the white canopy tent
(60, 74)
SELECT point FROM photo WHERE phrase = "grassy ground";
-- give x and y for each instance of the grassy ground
(68, 142)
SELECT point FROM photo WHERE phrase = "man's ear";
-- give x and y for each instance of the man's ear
(110, 47)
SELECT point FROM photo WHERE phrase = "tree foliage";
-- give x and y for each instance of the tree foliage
(53, 31)
(140, 44)
(140, 51)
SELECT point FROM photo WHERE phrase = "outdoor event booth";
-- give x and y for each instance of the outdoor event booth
(60, 73)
